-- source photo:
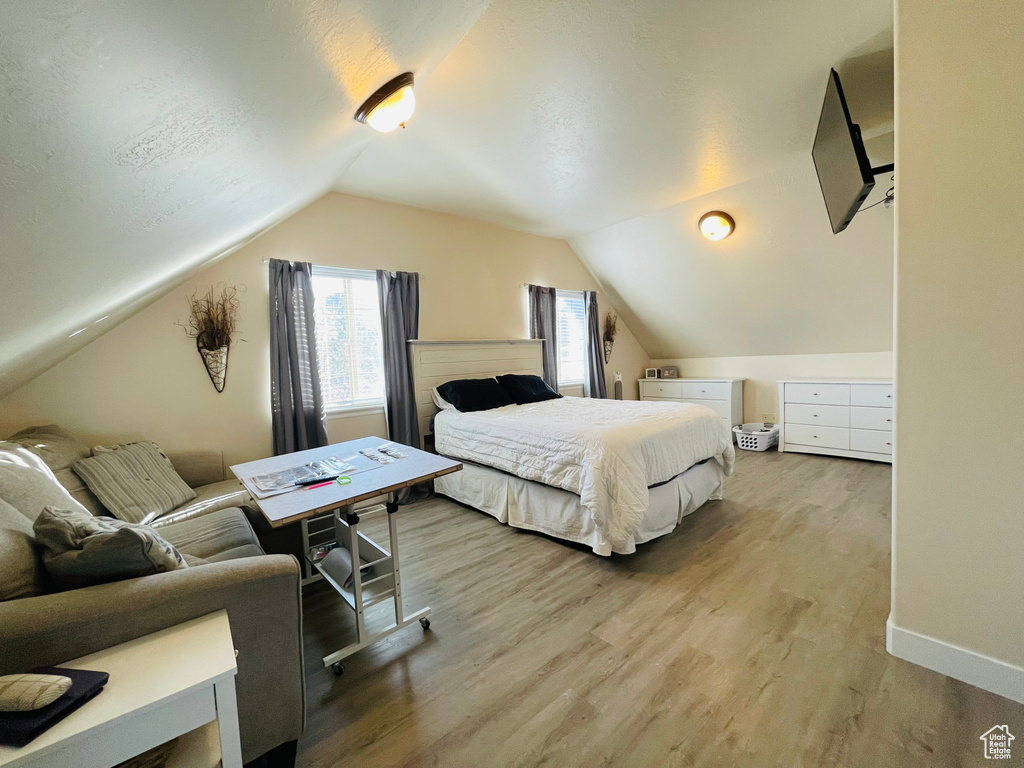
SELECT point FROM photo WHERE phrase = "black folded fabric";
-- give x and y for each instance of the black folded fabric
(475, 394)
(527, 389)
(19, 728)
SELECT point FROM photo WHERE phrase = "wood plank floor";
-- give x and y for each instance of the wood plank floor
(753, 635)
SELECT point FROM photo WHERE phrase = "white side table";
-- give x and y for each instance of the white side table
(179, 682)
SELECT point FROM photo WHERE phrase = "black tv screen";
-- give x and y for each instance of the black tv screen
(844, 172)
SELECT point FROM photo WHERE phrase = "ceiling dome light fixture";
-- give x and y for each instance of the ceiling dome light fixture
(390, 105)
(716, 225)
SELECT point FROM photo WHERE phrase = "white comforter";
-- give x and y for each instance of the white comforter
(608, 452)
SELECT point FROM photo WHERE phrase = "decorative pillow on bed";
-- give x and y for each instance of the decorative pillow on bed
(527, 389)
(475, 394)
(440, 402)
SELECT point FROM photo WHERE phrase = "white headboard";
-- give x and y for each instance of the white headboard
(435, 362)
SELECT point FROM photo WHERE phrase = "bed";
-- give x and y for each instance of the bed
(607, 474)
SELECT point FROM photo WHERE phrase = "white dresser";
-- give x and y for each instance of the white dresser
(851, 418)
(724, 396)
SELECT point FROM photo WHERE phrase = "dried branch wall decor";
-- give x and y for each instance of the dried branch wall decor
(212, 322)
(611, 327)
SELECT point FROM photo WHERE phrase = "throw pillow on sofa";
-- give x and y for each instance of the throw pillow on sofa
(80, 550)
(135, 481)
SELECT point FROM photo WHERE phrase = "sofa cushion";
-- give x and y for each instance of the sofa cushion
(209, 498)
(58, 448)
(28, 485)
(248, 550)
(135, 481)
(212, 534)
(21, 563)
(80, 550)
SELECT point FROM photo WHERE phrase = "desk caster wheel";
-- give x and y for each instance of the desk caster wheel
(425, 623)
(339, 669)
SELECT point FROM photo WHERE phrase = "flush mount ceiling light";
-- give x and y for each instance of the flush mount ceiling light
(390, 105)
(716, 225)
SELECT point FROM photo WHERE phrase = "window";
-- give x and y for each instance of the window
(572, 322)
(348, 338)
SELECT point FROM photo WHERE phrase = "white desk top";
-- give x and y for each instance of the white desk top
(417, 466)
(143, 673)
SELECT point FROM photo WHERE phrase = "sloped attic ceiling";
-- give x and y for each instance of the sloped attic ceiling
(562, 118)
(140, 140)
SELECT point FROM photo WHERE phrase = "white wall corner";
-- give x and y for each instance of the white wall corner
(977, 669)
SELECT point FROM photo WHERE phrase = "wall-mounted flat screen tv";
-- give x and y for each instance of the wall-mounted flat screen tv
(844, 172)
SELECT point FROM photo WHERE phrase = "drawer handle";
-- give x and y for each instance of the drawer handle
(888, 443)
(815, 394)
(815, 415)
(889, 396)
(815, 437)
(888, 419)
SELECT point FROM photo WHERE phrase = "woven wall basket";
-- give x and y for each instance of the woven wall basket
(216, 362)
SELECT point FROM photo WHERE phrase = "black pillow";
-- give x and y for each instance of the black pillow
(475, 394)
(527, 389)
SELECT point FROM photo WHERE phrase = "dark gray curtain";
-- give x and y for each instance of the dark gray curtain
(296, 404)
(544, 325)
(593, 382)
(399, 323)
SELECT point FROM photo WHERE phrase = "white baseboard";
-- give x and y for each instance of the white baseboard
(977, 669)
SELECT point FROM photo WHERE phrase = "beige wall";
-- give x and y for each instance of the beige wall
(760, 391)
(781, 284)
(144, 377)
(959, 472)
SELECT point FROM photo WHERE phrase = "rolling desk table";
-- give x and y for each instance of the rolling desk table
(378, 578)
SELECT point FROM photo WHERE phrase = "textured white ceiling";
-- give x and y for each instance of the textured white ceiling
(565, 117)
(139, 140)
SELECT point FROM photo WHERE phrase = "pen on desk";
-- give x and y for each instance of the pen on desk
(318, 485)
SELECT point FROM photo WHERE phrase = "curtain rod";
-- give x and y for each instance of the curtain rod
(328, 266)
(563, 290)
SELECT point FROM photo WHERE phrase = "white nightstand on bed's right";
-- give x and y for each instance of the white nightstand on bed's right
(725, 396)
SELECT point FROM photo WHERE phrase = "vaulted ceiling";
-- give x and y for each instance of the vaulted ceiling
(565, 117)
(141, 140)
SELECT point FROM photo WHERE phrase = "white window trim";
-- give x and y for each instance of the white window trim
(570, 383)
(358, 409)
(344, 272)
(361, 407)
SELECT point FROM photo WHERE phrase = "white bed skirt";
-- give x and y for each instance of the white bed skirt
(537, 507)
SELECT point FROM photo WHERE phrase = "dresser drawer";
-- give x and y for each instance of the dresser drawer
(823, 437)
(824, 394)
(870, 418)
(870, 441)
(721, 407)
(661, 388)
(871, 394)
(825, 415)
(703, 390)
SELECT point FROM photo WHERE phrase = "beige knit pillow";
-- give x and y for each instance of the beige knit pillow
(23, 693)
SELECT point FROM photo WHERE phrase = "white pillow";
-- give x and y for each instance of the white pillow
(440, 402)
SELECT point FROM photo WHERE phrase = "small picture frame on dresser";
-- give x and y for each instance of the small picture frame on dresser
(651, 373)
(669, 372)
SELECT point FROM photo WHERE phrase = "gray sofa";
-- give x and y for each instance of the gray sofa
(228, 570)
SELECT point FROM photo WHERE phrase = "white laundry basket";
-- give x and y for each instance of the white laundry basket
(755, 436)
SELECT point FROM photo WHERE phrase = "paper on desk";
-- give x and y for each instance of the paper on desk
(269, 484)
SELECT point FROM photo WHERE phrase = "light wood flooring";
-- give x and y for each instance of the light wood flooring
(753, 635)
